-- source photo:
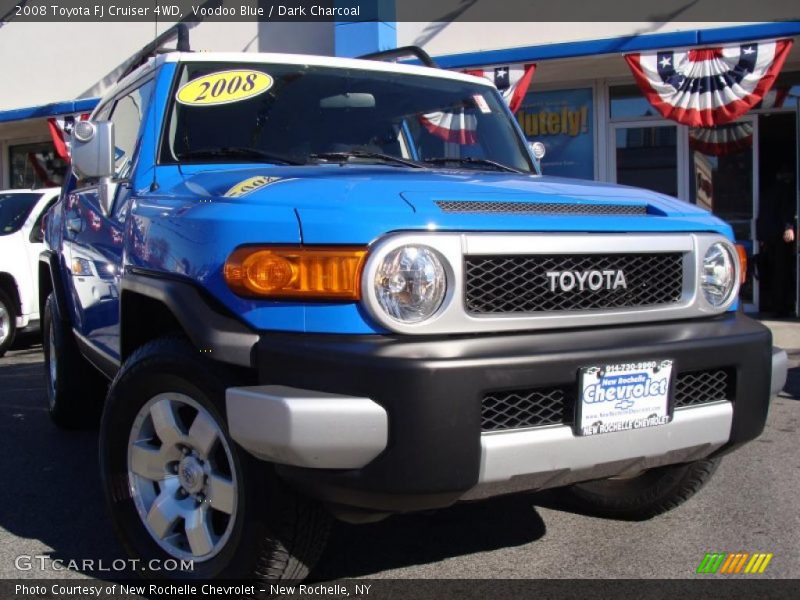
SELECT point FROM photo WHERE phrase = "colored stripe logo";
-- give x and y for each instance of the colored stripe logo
(734, 563)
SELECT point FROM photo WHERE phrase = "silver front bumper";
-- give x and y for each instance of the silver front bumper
(555, 456)
(330, 431)
(305, 428)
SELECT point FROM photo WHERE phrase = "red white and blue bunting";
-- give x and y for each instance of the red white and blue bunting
(512, 81)
(61, 130)
(723, 140)
(452, 127)
(458, 127)
(708, 86)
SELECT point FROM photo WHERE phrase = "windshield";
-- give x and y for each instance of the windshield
(297, 114)
(14, 210)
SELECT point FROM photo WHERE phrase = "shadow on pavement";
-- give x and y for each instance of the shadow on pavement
(408, 540)
(52, 494)
(51, 482)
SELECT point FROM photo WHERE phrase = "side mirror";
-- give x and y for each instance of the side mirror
(93, 149)
(537, 150)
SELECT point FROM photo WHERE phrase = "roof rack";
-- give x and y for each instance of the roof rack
(178, 32)
(423, 56)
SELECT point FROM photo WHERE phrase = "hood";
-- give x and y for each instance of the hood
(351, 204)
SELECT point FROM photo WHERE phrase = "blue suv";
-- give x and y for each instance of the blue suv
(339, 288)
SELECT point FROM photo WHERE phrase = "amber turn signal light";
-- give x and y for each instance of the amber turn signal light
(742, 252)
(292, 272)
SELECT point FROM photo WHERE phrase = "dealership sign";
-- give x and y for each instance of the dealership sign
(563, 120)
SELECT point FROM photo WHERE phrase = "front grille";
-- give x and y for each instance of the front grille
(527, 408)
(541, 208)
(520, 284)
(701, 387)
(536, 407)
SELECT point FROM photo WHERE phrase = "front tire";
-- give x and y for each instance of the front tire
(642, 497)
(178, 487)
(8, 323)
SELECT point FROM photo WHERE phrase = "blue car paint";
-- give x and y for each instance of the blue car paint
(349, 204)
(182, 223)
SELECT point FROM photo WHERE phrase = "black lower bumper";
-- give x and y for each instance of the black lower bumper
(432, 390)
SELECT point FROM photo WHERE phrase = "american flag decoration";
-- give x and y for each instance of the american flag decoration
(512, 81)
(457, 127)
(60, 132)
(723, 140)
(708, 86)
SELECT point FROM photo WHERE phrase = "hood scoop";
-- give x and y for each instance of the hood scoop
(544, 208)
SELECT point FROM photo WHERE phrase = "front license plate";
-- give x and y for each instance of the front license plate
(624, 396)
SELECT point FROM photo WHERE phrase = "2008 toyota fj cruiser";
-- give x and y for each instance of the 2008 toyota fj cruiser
(343, 289)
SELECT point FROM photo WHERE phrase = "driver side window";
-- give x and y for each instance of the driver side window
(127, 117)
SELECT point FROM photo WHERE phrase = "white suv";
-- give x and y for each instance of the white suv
(21, 214)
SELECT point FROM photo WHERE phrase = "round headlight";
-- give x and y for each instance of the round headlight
(719, 274)
(410, 283)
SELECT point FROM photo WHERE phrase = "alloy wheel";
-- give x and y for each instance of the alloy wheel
(182, 477)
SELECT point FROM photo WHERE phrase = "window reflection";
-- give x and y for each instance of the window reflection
(721, 173)
(627, 102)
(647, 157)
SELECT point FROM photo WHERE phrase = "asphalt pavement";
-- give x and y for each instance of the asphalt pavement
(51, 504)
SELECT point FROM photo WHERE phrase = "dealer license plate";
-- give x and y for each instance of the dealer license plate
(624, 396)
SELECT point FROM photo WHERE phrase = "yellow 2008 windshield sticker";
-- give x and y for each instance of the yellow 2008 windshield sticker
(224, 87)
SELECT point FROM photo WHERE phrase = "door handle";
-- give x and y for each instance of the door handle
(74, 225)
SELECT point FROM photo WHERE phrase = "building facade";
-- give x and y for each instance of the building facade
(583, 103)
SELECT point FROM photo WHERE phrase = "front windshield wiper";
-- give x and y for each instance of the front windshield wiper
(237, 152)
(438, 160)
(345, 156)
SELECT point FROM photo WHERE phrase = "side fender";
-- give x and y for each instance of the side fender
(212, 331)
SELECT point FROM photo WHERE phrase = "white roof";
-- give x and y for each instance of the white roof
(323, 61)
(300, 59)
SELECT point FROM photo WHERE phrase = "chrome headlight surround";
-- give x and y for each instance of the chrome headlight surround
(452, 317)
(719, 275)
(382, 262)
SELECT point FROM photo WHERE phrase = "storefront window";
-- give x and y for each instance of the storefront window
(627, 102)
(563, 120)
(647, 157)
(721, 174)
(721, 180)
(35, 166)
